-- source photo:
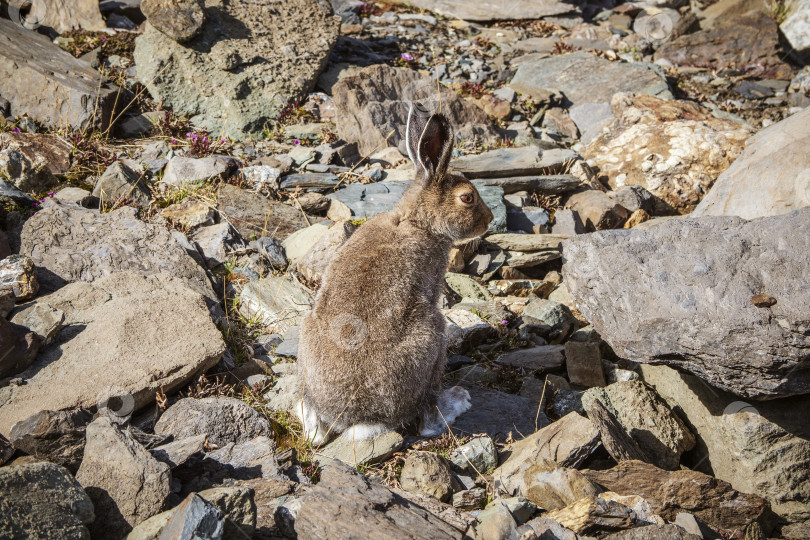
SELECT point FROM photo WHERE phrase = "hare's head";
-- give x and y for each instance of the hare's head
(446, 203)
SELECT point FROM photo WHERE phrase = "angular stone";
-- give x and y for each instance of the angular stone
(527, 242)
(44, 320)
(564, 72)
(345, 504)
(567, 223)
(186, 171)
(548, 318)
(466, 287)
(314, 263)
(671, 492)
(365, 201)
(428, 474)
(584, 364)
(194, 518)
(136, 334)
(217, 242)
(770, 177)
(74, 195)
(19, 348)
(179, 451)
(544, 527)
(255, 216)
(470, 499)
(372, 107)
(760, 448)
(660, 433)
(19, 277)
(475, 457)
(189, 213)
(55, 436)
(302, 241)
(180, 20)
(126, 484)
(552, 487)
(596, 210)
(25, 175)
(464, 327)
(276, 301)
(69, 243)
(497, 414)
(222, 419)
(593, 515)
(540, 357)
(310, 181)
(232, 86)
(78, 95)
(365, 452)
(121, 185)
(60, 505)
(497, 10)
(512, 162)
(569, 442)
(675, 149)
(669, 297)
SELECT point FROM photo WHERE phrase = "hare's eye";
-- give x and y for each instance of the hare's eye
(467, 198)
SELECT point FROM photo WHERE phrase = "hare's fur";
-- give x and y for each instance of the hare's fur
(373, 349)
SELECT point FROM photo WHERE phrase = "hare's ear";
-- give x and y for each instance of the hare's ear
(436, 146)
(417, 119)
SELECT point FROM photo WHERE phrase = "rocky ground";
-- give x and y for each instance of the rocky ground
(175, 177)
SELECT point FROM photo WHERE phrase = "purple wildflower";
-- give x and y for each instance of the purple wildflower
(504, 321)
(407, 57)
(296, 142)
(16, 130)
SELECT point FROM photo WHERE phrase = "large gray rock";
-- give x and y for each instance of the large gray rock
(605, 78)
(32, 67)
(70, 243)
(494, 10)
(43, 500)
(647, 418)
(248, 61)
(760, 448)
(222, 419)
(428, 474)
(717, 296)
(771, 176)
(125, 335)
(375, 102)
(347, 505)
(126, 484)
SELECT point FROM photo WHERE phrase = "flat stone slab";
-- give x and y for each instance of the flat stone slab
(546, 357)
(125, 335)
(604, 78)
(511, 162)
(497, 414)
(527, 242)
(255, 216)
(552, 184)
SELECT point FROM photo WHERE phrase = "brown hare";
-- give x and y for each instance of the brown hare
(373, 349)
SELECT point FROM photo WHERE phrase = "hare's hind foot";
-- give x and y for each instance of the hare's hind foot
(452, 403)
(314, 430)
